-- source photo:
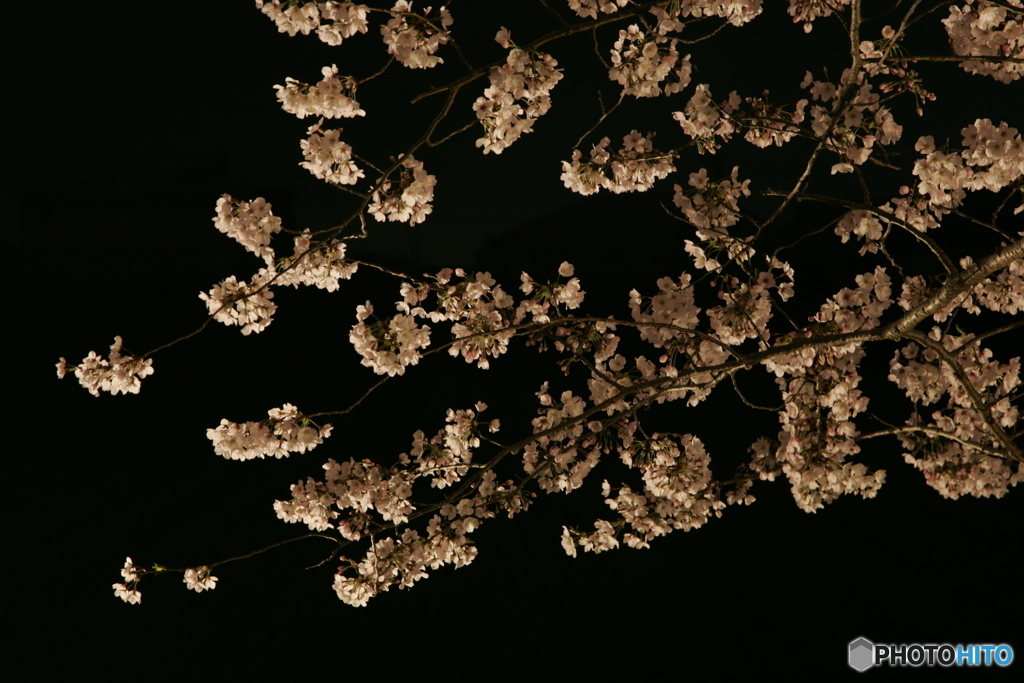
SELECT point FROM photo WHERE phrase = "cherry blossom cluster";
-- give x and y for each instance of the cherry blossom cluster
(564, 467)
(481, 311)
(862, 224)
(882, 56)
(403, 561)
(340, 20)
(818, 433)
(332, 21)
(519, 94)
(992, 158)
(200, 580)
(127, 591)
(995, 153)
(377, 494)
(641, 63)
(703, 120)
(328, 158)
(322, 265)
(413, 39)
(331, 98)
(954, 469)
(609, 379)
(363, 487)
(545, 297)
(388, 346)
(248, 305)
(131, 596)
(670, 312)
(987, 29)
(767, 124)
(747, 310)
(678, 493)
(485, 317)
(951, 450)
(559, 461)
(408, 200)
(285, 431)
(912, 209)
(367, 488)
(590, 8)
(119, 374)
(445, 457)
(711, 206)
(943, 176)
(634, 168)
(718, 248)
(291, 17)
(821, 397)
(809, 10)
(914, 292)
(851, 310)
(850, 127)
(251, 224)
(736, 12)
(1003, 293)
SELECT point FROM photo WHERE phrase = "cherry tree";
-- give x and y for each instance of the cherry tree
(906, 196)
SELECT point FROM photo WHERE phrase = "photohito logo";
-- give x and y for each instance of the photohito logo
(863, 654)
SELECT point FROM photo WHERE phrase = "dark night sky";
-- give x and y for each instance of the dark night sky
(125, 126)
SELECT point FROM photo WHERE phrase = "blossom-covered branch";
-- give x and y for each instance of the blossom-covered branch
(726, 310)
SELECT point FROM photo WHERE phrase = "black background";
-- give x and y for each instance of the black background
(126, 123)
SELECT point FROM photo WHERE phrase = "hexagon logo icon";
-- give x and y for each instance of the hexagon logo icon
(862, 654)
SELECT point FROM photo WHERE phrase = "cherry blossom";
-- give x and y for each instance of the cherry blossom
(519, 94)
(291, 18)
(332, 97)
(200, 580)
(322, 265)
(677, 494)
(641, 65)
(951, 450)
(863, 224)
(711, 206)
(286, 431)
(736, 12)
(332, 21)
(340, 20)
(809, 10)
(413, 39)
(480, 311)
(388, 346)
(246, 304)
(130, 573)
(409, 199)
(985, 28)
(634, 168)
(703, 120)
(118, 374)
(672, 308)
(328, 158)
(251, 224)
(132, 597)
(590, 8)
